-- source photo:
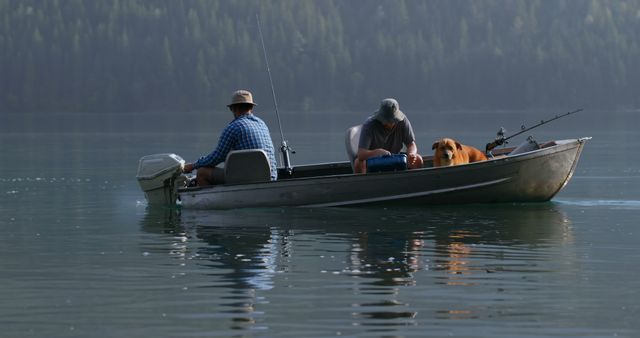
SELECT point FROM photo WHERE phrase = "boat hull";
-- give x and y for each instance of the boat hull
(534, 176)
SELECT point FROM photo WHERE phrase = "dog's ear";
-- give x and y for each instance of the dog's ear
(458, 145)
(435, 145)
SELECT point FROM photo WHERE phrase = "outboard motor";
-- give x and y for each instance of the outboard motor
(160, 176)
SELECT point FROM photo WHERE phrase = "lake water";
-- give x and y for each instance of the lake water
(81, 254)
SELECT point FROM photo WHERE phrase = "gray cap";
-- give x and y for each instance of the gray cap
(389, 112)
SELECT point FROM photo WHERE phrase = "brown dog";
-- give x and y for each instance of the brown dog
(451, 152)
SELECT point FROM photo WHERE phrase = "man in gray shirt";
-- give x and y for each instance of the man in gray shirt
(385, 133)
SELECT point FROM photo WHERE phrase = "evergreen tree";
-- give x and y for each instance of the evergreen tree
(137, 55)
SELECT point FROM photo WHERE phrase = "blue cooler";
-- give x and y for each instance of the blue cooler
(393, 162)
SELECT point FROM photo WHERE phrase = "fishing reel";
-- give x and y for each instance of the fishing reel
(501, 139)
(498, 141)
(286, 159)
(500, 136)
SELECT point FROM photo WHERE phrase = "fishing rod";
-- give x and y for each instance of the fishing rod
(500, 140)
(284, 147)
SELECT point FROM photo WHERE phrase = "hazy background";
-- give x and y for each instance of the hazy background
(189, 55)
(89, 87)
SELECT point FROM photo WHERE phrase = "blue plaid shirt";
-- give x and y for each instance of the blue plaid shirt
(244, 132)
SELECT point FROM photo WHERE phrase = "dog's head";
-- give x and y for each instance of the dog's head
(446, 150)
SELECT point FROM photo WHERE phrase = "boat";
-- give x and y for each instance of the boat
(530, 172)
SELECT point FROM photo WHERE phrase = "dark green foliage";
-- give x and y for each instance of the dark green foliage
(134, 55)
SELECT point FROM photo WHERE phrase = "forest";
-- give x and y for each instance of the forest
(190, 55)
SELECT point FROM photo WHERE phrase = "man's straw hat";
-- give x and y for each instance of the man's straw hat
(242, 96)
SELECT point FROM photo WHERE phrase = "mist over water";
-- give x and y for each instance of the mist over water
(185, 55)
(84, 256)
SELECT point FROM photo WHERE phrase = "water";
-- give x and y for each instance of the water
(83, 256)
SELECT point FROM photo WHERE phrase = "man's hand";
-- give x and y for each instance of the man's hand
(411, 159)
(188, 168)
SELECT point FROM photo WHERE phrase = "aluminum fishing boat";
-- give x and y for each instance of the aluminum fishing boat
(522, 174)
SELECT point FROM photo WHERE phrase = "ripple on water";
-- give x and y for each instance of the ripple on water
(45, 180)
(619, 204)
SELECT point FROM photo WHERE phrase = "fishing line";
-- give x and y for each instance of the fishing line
(284, 148)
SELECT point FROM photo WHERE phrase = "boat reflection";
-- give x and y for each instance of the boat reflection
(241, 259)
(250, 252)
(452, 246)
(475, 236)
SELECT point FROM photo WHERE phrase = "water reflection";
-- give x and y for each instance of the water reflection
(387, 253)
(456, 246)
(494, 233)
(242, 259)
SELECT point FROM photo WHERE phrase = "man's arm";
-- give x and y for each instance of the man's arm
(414, 160)
(412, 148)
(364, 154)
(218, 155)
(365, 142)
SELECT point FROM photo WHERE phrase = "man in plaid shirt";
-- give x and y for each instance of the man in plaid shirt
(246, 131)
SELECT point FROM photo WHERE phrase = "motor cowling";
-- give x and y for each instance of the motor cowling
(159, 176)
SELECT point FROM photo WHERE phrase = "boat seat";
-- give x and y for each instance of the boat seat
(247, 166)
(352, 138)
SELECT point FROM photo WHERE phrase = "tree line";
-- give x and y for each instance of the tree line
(182, 55)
